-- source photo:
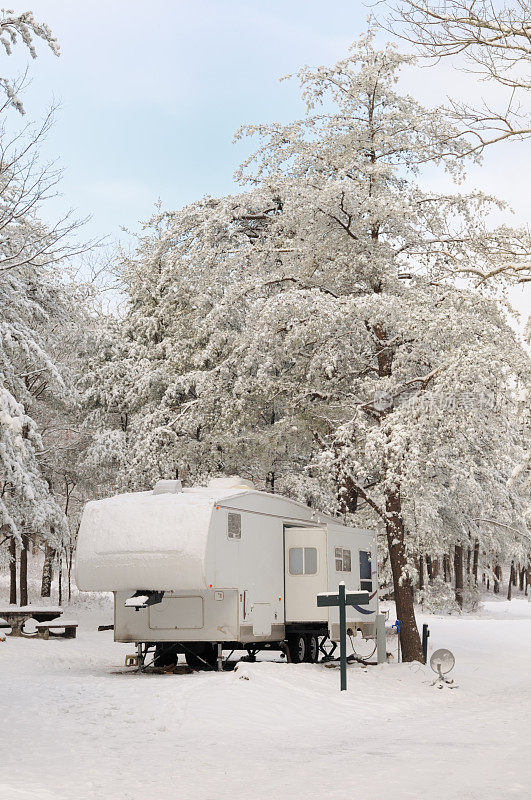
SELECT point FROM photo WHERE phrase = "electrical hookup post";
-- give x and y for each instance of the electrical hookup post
(343, 599)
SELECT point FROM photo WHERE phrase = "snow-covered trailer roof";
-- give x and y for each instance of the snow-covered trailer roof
(144, 540)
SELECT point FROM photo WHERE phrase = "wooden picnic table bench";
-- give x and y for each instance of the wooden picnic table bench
(16, 616)
(47, 629)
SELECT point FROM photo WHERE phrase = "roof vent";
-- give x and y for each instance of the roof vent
(167, 487)
(232, 482)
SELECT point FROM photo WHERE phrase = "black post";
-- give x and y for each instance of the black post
(341, 599)
(343, 636)
(425, 636)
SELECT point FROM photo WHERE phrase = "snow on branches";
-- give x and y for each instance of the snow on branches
(320, 333)
(23, 27)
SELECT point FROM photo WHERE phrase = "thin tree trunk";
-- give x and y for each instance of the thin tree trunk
(24, 570)
(421, 572)
(69, 569)
(270, 482)
(435, 568)
(12, 571)
(468, 560)
(476, 562)
(497, 579)
(60, 578)
(511, 582)
(429, 568)
(447, 568)
(47, 571)
(403, 588)
(458, 571)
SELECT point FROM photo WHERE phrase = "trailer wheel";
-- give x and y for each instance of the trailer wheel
(196, 658)
(165, 655)
(297, 648)
(312, 648)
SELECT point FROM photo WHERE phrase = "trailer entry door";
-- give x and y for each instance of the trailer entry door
(306, 573)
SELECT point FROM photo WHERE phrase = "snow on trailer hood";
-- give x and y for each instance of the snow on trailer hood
(144, 541)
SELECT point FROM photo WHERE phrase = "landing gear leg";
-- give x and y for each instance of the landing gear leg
(140, 657)
(219, 658)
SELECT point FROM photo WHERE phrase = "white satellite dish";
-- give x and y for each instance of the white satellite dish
(442, 662)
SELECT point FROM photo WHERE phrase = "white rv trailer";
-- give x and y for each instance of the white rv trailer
(199, 570)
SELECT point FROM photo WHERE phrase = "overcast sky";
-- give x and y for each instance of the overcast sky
(152, 92)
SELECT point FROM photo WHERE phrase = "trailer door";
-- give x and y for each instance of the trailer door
(305, 569)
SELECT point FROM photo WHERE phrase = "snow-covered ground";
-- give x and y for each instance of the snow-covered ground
(76, 726)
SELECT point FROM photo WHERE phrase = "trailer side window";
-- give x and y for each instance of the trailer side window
(310, 560)
(302, 561)
(365, 571)
(343, 559)
(296, 561)
(234, 526)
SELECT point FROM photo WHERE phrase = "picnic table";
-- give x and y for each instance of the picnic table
(17, 616)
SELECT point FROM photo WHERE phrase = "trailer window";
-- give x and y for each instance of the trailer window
(365, 571)
(310, 560)
(302, 560)
(234, 526)
(343, 559)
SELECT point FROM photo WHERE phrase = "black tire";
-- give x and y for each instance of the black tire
(196, 657)
(312, 649)
(297, 648)
(165, 656)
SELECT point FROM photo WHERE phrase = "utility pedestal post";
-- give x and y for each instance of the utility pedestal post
(381, 643)
(342, 599)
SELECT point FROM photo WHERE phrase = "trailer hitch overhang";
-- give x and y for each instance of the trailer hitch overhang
(143, 598)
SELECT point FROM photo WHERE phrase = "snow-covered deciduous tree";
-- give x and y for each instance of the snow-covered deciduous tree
(33, 308)
(318, 333)
(384, 253)
(491, 40)
(24, 28)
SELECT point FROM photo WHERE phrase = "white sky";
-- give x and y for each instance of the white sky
(152, 92)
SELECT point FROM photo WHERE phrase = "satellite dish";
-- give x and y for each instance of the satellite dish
(442, 662)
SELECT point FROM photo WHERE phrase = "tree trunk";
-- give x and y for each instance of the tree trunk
(24, 570)
(421, 572)
(476, 562)
(403, 588)
(447, 568)
(468, 560)
(60, 578)
(429, 568)
(270, 482)
(511, 582)
(458, 570)
(347, 495)
(497, 579)
(70, 563)
(47, 571)
(435, 568)
(12, 571)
